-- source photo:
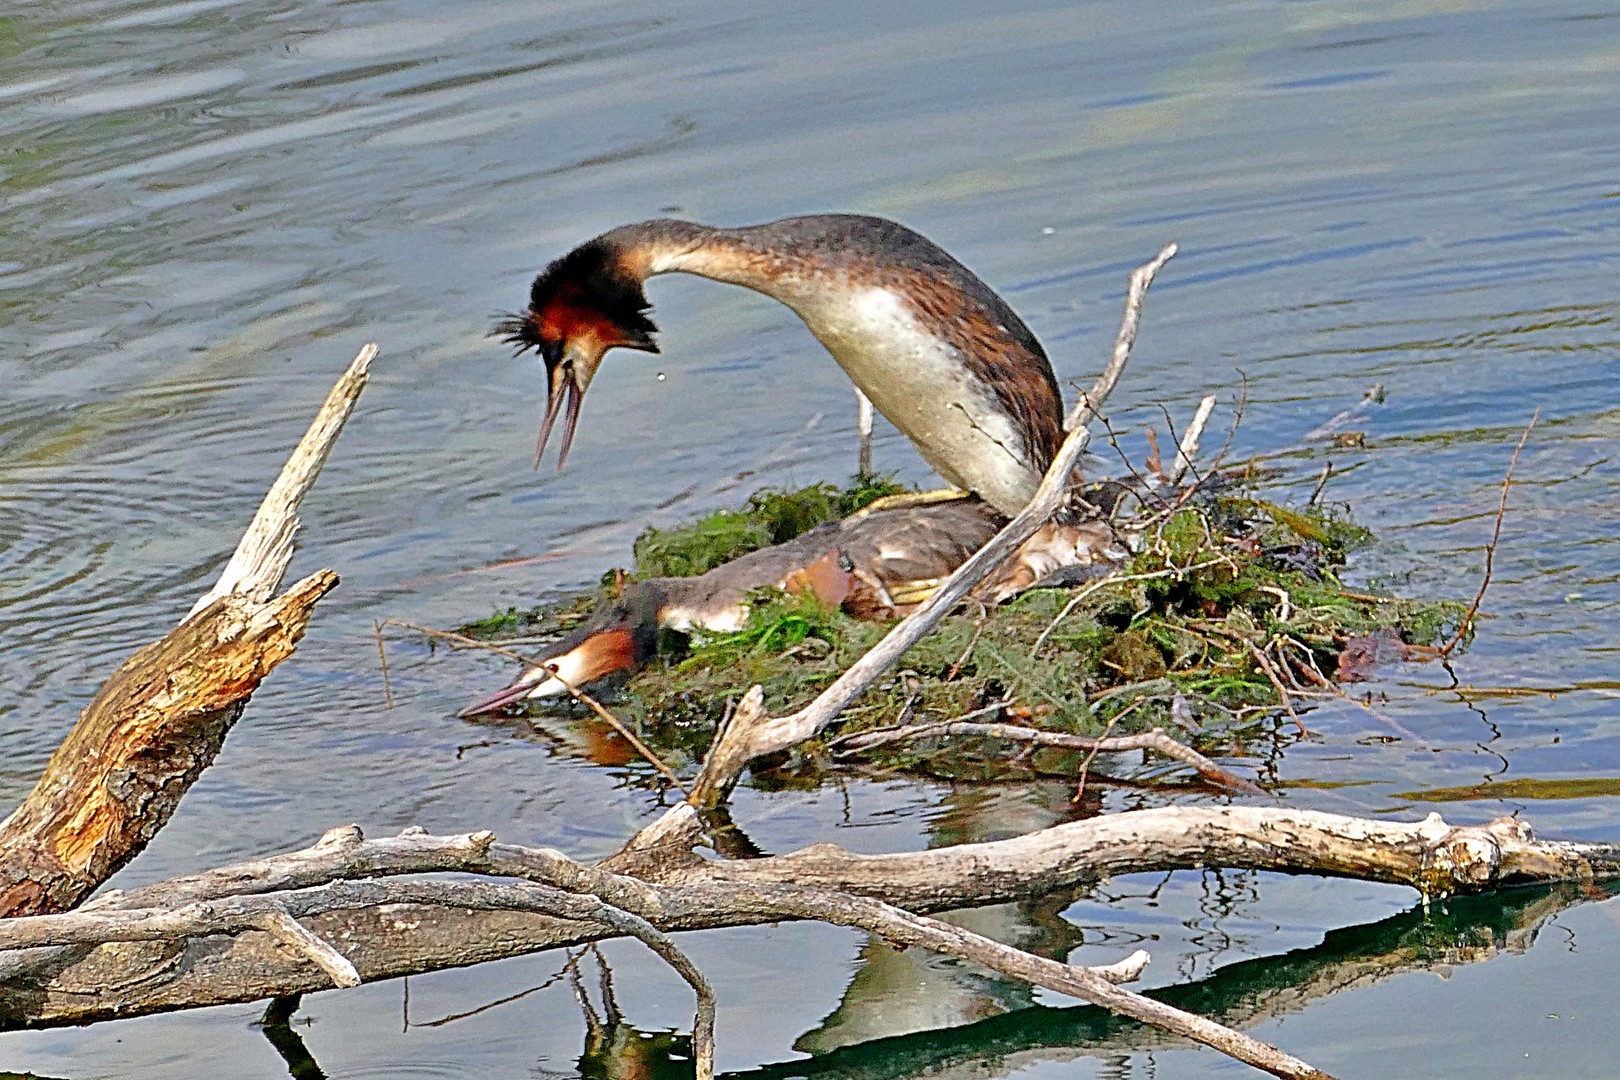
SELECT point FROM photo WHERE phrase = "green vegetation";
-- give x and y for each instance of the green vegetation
(771, 517)
(1214, 585)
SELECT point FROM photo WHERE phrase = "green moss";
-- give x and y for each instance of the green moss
(770, 517)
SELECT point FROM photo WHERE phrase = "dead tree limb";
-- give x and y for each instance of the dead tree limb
(425, 927)
(161, 718)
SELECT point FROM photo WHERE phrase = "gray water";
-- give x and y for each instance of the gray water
(207, 207)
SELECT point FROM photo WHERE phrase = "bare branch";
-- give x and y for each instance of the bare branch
(1490, 548)
(266, 547)
(1155, 740)
(287, 930)
(1188, 450)
(1089, 407)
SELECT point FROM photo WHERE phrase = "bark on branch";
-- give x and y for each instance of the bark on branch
(161, 718)
(407, 927)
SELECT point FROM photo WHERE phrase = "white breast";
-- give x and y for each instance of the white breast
(920, 383)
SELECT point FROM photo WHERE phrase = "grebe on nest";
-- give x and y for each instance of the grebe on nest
(874, 566)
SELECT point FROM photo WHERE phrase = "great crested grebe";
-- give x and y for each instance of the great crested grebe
(873, 565)
(933, 347)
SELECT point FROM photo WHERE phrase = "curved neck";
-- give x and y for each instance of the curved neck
(667, 246)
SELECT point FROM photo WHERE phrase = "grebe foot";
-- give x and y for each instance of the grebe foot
(910, 498)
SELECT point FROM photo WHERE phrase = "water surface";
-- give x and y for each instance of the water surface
(207, 207)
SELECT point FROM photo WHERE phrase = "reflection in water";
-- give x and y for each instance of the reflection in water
(277, 1027)
(1464, 930)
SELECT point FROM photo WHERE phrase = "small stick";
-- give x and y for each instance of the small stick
(1190, 439)
(1374, 396)
(382, 658)
(1115, 579)
(1085, 766)
(460, 639)
(1242, 403)
(579, 695)
(1282, 691)
(618, 725)
(857, 741)
(956, 668)
(1490, 548)
(1316, 492)
(290, 932)
(1085, 410)
(1154, 462)
(1156, 740)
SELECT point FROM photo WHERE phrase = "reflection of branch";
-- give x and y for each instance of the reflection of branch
(277, 1027)
(1155, 740)
(1244, 994)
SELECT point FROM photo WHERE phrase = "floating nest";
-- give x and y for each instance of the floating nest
(1230, 607)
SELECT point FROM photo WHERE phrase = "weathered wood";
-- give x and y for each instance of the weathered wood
(47, 987)
(162, 717)
(140, 745)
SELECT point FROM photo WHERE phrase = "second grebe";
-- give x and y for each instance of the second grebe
(874, 566)
(934, 348)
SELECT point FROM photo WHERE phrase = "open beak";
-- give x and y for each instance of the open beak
(565, 398)
(570, 376)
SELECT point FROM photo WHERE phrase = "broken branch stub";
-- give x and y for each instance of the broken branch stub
(266, 548)
(162, 717)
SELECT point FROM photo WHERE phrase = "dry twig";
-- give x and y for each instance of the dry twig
(1188, 450)
(1490, 548)
(1276, 680)
(1155, 740)
(382, 660)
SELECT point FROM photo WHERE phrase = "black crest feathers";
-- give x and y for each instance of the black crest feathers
(589, 285)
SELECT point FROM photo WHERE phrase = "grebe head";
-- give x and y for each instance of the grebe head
(581, 305)
(620, 636)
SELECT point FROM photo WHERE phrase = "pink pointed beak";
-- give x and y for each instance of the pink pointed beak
(566, 395)
(509, 696)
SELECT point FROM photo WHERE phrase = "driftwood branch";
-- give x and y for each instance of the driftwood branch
(266, 548)
(436, 926)
(161, 718)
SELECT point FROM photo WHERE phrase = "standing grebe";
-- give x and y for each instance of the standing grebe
(934, 348)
